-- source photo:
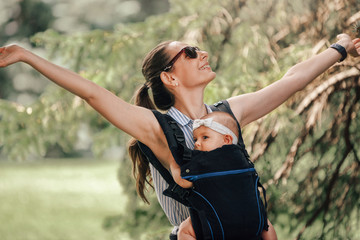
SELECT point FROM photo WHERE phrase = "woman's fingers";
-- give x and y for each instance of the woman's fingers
(2, 57)
(355, 50)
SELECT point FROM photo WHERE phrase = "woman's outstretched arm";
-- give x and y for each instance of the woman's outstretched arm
(251, 106)
(137, 121)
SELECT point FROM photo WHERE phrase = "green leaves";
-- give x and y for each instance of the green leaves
(26, 131)
(308, 159)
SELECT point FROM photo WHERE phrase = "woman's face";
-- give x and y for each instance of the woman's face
(188, 71)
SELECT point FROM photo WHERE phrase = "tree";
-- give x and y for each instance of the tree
(21, 85)
(23, 21)
(307, 151)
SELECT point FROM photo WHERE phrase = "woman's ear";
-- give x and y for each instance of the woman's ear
(168, 79)
(228, 139)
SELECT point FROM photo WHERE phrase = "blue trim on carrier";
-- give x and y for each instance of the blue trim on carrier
(217, 216)
(194, 178)
(211, 231)
(257, 199)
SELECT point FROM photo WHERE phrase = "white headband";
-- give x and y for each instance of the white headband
(218, 127)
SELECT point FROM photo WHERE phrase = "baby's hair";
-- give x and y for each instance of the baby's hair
(225, 119)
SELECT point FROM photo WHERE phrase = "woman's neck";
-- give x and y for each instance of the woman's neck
(191, 104)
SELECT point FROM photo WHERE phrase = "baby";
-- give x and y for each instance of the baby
(210, 132)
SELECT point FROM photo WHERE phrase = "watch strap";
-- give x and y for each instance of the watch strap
(341, 50)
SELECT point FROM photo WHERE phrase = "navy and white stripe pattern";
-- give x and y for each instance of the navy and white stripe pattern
(175, 211)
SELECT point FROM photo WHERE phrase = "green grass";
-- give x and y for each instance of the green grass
(69, 199)
(59, 199)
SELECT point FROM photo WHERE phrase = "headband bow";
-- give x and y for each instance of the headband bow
(218, 127)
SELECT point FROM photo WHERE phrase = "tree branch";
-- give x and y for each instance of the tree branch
(349, 147)
(264, 144)
(353, 72)
(325, 204)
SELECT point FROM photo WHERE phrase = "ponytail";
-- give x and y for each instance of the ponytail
(163, 100)
(140, 165)
(141, 169)
(142, 98)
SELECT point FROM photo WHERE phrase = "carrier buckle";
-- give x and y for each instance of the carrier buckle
(181, 192)
(179, 137)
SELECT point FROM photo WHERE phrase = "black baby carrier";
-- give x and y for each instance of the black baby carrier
(224, 201)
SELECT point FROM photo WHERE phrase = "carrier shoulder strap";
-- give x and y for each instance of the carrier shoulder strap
(176, 140)
(224, 106)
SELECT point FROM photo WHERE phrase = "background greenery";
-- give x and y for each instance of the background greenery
(59, 199)
(307, 151)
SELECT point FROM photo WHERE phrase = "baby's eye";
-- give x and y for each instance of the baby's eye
(205, 137)
(195, 139)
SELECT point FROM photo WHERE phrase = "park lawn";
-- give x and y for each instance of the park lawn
(59, 199)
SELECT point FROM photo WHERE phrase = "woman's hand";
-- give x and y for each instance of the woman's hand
(11, 54)
(352, 46)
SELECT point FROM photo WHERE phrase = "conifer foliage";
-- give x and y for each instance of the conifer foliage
(307, 151)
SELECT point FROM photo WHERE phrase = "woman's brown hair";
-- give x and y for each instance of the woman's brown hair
(152, 66)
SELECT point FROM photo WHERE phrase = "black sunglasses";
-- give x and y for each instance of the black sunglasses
(191, 52)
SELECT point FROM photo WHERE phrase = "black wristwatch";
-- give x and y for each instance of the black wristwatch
(341, 50)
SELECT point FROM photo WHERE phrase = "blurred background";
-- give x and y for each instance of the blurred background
(64, 170)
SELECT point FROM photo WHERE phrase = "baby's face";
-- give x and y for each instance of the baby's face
(207, 139)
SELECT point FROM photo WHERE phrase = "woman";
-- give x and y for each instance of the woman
(177, 75)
